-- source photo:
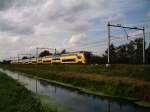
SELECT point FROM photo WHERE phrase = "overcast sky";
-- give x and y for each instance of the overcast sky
(27, 24)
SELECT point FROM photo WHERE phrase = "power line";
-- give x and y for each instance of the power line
(125, 27)
(97, 43)
(104, 41)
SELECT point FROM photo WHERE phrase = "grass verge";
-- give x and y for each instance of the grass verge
(131, 71)
(15, 98)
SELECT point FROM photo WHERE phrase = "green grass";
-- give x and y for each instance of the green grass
(132, 71)
(143, 103)
(117, 88)
(15, 98)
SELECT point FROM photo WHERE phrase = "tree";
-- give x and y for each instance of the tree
(139, 50)
(129, 53)
(121, 54)
(6, 61)
(97, 59)
(148, 55)
(25, 57)
(112, 53)
(45, 53)
(63, 51)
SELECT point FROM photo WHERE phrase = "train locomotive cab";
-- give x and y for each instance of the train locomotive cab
(81, 58)
(86, 56)
(73, 58)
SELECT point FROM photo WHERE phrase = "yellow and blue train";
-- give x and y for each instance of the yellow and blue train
(69, 58)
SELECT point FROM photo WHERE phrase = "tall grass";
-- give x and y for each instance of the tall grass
(132, 71)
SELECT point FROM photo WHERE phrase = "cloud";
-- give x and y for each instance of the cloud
(116, 19)
(55, 14)
(5, 4)
(148, 15)
(136, 34)
(26, 24)
(77, 38)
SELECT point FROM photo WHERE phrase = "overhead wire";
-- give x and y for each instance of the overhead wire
(100, 43)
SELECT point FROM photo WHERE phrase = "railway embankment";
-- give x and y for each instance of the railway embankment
(130, 82)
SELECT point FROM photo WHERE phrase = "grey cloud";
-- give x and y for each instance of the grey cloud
(32, 19)
(53, 12)
(7, 26)
(5, 4)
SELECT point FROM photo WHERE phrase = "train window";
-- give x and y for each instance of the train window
(68, 60)
(47, 61)
(56, 58)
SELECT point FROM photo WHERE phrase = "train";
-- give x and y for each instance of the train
(67, 58)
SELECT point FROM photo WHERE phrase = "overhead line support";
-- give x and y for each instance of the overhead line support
(124, 27)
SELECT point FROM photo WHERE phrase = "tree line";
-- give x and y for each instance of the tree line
(131, 53)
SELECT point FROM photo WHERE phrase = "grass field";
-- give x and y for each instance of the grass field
(15, 98)
(125, 81)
